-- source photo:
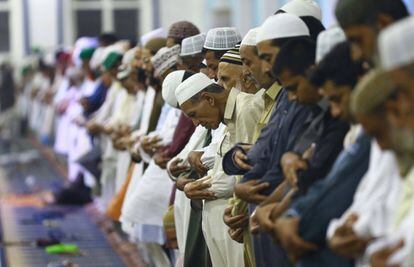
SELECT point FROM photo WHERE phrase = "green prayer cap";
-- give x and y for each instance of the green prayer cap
(111, 60)
(87, 53)
(371, 92)
(26, 69)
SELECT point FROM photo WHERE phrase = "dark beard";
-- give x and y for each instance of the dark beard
(141, 76)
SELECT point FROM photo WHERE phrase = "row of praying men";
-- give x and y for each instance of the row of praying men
(291, 146)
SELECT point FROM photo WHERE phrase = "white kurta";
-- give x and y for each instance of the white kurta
(149, 201)
(241, 114)
(61, 99)
(127, 224)
(73, 111)
(130, 108)
(41, 84)
(401, 227)
(115, 115)
(374, 199)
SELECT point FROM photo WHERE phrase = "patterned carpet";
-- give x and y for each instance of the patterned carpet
(23, 170)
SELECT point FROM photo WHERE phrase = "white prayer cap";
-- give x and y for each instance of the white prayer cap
(250, 37)
(170, 84)
(191, 87)
(303, 8)
(396, 44)
(222, 38)
(157, 33)
(97, 57)
(282, 26)
(129, 56)
(164, 59)
(327, 40)
(80, 44)
(192, 45)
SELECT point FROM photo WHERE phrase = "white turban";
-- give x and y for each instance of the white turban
(396, 44)
(303, 8)
(250, 37)
(170, 84)
(327, 40)
(282, 26)
(191, 87)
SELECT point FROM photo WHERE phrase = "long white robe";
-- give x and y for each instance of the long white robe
(132, 105)
(61, 145)
(42, 84)
(127, 224)
(149, 201)
(109, 153)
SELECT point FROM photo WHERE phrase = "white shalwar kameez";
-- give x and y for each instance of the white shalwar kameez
(374, 200)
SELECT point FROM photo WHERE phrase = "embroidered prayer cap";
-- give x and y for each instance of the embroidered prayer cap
(303, 8)
(164, 59)
(373, 89)
(250, 37)
(157, 33)
(182, 29)
(193, 45)
(282, 26)
(395, 44)
(327, 40)
(191, 87)
(232, 56)
(170, 84)
(222, 38)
